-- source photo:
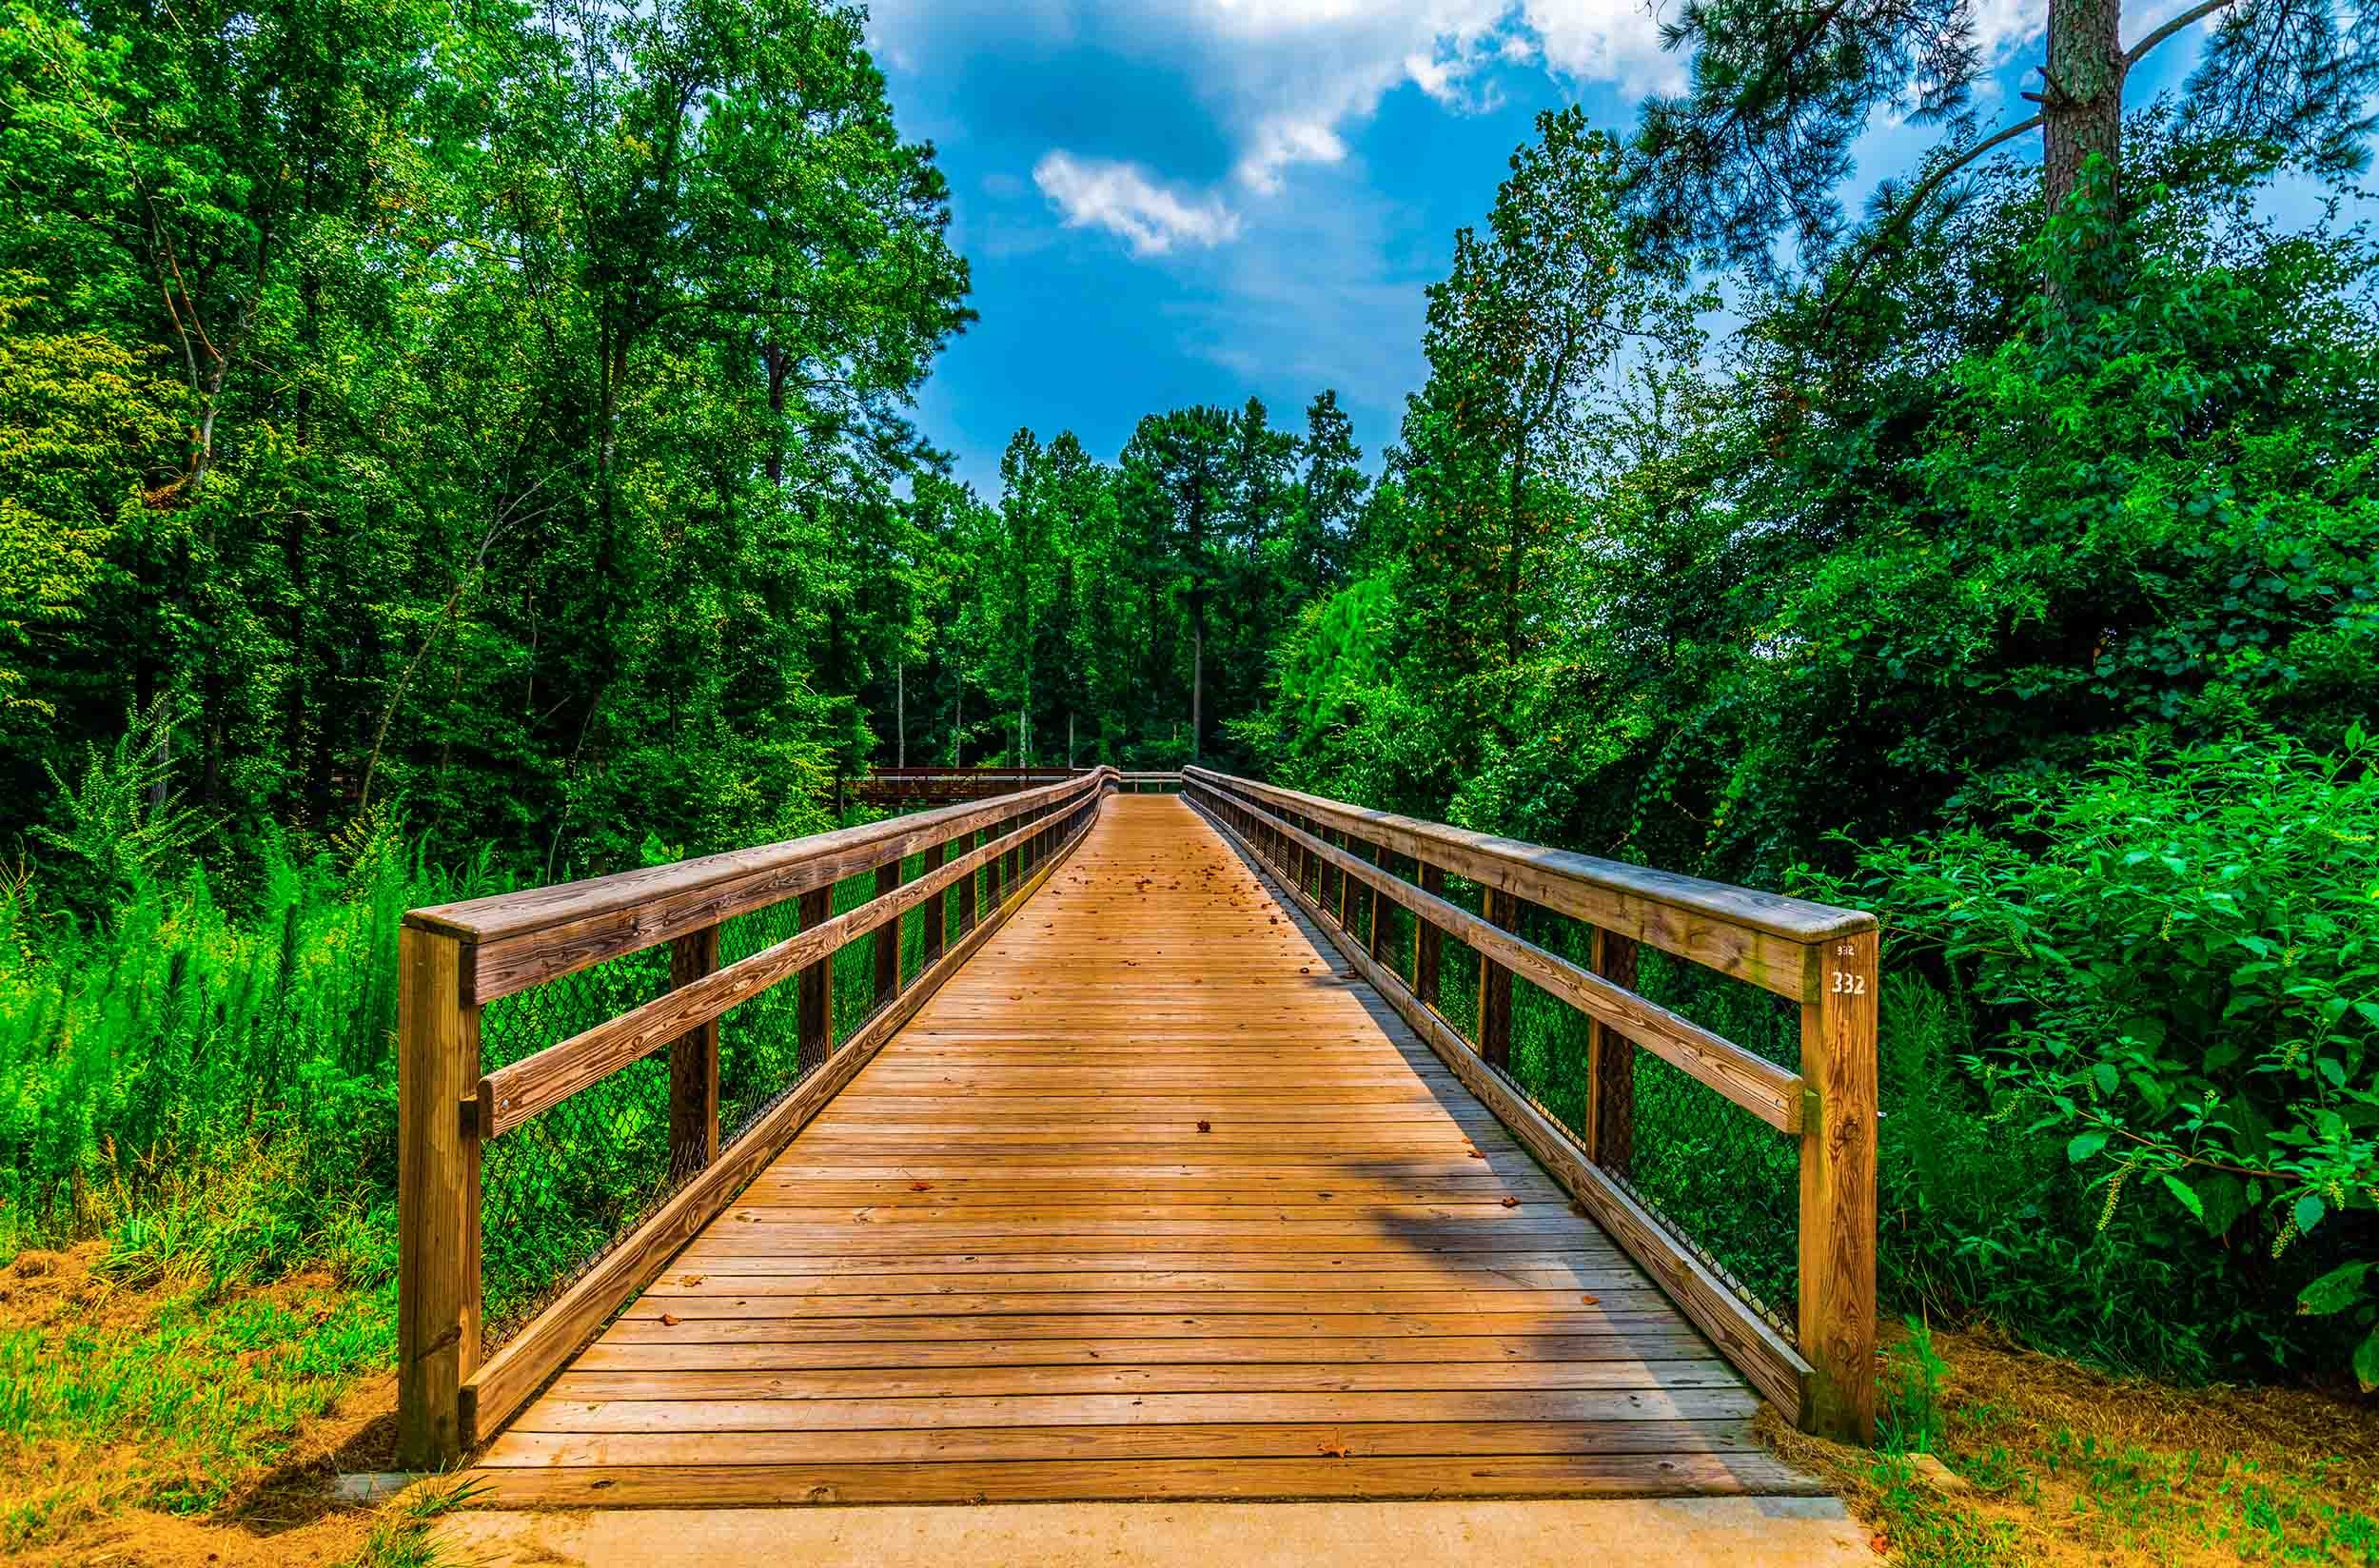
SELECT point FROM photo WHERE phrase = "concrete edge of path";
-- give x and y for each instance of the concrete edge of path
(1644, 1532)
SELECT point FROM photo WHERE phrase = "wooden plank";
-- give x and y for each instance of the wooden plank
(1562, 1474)
(612, 1354)
(1771, 1092)
(1212, 1440)
(1098, 1410)
(693, 1063)
(1006, 1258)
(962, 1330)
(958, 1383)
(496, 1389)
(1838, 1193)
(438, 1173)
(1752, 935)
(1773, 1366)
(516, 940)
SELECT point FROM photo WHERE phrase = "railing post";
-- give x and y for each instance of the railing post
(1495, 984)
(1837, 1196)
(814, 1008)
(1380, 906)
(694, 1063)
(1428, 946)
(1611, 1064)
(967, 914)
(437, 1171)
(936, 909)
(887, 937)
(992, 868)
(1345, 885)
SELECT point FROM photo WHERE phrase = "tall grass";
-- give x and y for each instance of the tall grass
(176, 1046)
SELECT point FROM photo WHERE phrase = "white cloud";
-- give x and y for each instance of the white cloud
(1615, 41)
(1287, 80)
(1123, 199)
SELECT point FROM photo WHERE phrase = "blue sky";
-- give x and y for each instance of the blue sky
(1198, 201)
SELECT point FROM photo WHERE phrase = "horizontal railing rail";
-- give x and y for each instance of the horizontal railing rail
(1145, 782)
(893, 786)
(1823, 1374)
(456, 958)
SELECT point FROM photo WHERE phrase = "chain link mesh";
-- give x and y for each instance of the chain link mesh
(556, 1190)
(561, 1190)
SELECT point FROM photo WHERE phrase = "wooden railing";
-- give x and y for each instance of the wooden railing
(898, 786)
(456, 958)
(1822, 1376)
(1150, 783)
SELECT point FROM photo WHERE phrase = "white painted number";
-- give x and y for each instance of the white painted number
(1849, 985)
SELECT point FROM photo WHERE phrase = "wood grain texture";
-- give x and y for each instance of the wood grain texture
(1772, 1364)
(497, 1390)
(516, 940)
(1771, 1092)
(1838, 1193)
(437, 1171)
(1150, 1200)
(1753, 935)
(1611, 1129)
(518, 1090)
(693, 1063)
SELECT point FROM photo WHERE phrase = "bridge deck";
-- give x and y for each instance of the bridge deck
(1149, 1200)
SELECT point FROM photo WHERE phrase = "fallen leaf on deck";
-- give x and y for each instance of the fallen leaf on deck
(1511, 1202)
(1206, 1126)
(669, 1320)
(920, 1186)
(1591, 1301)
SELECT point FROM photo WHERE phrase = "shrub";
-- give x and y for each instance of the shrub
(2174, 955)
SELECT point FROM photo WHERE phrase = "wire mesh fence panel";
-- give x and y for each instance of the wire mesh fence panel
(558, 1190)
(759, 1042)
(1717, 1175)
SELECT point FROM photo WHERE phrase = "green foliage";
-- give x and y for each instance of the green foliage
(2177, 951)
(1971, 595)
(496, 410)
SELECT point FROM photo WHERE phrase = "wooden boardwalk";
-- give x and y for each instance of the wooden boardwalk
(1149, 1200)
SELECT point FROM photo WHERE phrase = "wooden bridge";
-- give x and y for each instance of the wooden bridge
(904, 789)
(1161, 1165)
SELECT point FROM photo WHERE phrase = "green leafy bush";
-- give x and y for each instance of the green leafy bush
(2176, 955)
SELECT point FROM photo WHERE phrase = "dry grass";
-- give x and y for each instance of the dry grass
(153, 1421)
(2050, 1462)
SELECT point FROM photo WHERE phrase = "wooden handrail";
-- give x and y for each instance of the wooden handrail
(516, 940)
(1761, 937)
(454, 958)
(1820, 956)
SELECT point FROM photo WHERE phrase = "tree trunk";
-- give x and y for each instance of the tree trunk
(1198, 684)
(900, 714)
(2082, 101)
